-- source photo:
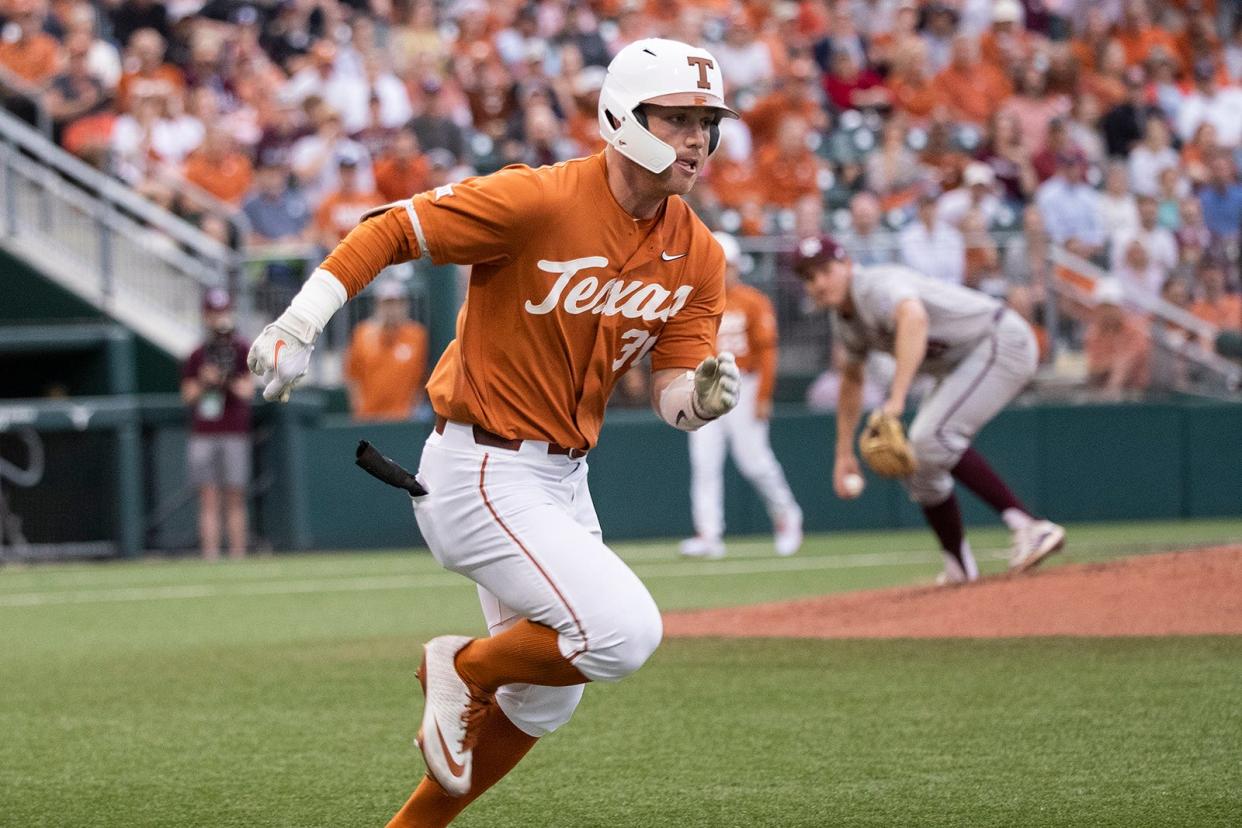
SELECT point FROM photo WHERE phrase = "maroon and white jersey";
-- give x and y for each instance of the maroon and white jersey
(958, 318)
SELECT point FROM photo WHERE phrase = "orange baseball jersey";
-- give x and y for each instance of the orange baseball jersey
(748, 329)
(567, 293)
(386, 368)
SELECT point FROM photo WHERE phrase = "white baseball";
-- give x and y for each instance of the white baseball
(853, 485)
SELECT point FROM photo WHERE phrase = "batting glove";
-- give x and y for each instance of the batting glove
(280, 356)
(716, 382)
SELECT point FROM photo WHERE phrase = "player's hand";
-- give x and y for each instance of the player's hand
(894, 407)
(847, 464)
(716, 382)
(279, 358)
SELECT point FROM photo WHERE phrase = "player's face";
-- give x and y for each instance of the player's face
(828, 284)
(687, 129)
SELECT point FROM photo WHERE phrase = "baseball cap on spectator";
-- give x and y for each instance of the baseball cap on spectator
(217, 299)
(732, 250)
(978, 173)
(1108, 291)
(388, 289)
(1007, 11)
(816, 250)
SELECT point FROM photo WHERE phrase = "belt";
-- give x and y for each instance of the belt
(483, 437)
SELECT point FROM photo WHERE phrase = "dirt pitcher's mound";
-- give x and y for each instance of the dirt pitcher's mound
(1181, 593)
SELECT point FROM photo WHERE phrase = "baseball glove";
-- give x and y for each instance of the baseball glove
(884, 448)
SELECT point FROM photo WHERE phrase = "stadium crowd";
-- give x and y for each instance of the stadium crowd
(963, 136)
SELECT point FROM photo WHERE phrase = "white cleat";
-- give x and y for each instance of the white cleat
(451, 714)
(711, 549)
(954, 573)
(1034, 542)
(789, 533)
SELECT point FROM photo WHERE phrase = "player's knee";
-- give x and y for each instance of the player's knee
(627, 645)
(929, 486)
(930, 448)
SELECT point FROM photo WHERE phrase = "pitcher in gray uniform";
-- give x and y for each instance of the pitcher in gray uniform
(980, 353)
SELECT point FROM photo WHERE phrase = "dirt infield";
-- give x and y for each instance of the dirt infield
(1179, 593)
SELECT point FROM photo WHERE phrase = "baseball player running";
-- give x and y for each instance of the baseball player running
(981, 354)
(580, 270)
(748, 331)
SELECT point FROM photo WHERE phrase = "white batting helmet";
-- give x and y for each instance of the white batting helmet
(661, 72)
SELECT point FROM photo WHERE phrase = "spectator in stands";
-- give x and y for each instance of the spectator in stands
(341, 85)
(1082, 128)
(1034, 106)
(932, 246)
(795, 93)
(1157, 242)
(387, 358)
(971, 90)
(1194, 237)
(128, 18)
(1171, 190)
(1025, 259)
(1123, 123)
(402, 170)
(976, 193)
(27, 54)
(341, 210)
(102, 58)
(1198, 151)
(1007, 44)
(277, 213)
(981, 268)
(1138, 270)
(1071, 207)
(1151, 156)
(788, 169)
(1118, 207)
(1221, 197)
(316, 158)
(893, 170)
(150, 75)
(1056, 143)
(938, 34)
(1211, 103)
(75, 92)
(1213, 302)
(745, 59)
(155, 132)
(1005, 154)
(913, 87)
(219, 167)
(217, 387)
(865, 241)
(851, 86)
(435, 123)
(1117, 345)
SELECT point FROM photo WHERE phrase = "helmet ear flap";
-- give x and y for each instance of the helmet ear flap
(713, 138)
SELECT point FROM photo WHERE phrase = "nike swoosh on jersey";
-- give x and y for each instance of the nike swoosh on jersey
(664, 255)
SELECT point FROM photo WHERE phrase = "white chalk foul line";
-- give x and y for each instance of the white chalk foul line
(673, 569)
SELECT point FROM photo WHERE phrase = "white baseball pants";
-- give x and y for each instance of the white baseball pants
(746, 436)
(963, 402)
(522, 526)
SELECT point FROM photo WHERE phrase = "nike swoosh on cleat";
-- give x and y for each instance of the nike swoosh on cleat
(664, 255)
(455, 768)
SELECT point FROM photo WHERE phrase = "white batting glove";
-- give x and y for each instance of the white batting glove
(280, 357)
(716, 382)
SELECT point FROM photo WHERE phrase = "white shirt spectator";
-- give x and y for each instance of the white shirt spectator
(1223, 110)
(1159, 243)
(939, 252)
(170, 141)
(745, 66)
(954, 205)
(1071, 211)
(1145, 168)
(1119, 213)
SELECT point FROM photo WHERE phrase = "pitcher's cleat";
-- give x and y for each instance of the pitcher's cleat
(1034, 542)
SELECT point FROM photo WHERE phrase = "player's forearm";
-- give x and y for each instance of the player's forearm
(909, 348)
(767, 361)
(370, 247)
(849, 407)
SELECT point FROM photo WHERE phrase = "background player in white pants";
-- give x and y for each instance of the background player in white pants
(748, 331)
(580, 270)
(981, 354)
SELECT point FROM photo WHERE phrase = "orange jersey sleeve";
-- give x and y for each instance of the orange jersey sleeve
(483, 220)
(385, 237)
(690, 335)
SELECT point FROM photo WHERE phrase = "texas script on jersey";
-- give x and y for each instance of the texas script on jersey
(634, 299)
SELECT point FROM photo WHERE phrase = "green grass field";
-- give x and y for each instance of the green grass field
(281, 692)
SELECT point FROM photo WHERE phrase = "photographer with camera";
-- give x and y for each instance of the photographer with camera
(218, 387)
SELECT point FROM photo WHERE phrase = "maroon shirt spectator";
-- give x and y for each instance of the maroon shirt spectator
(215, 365)
(849, 87)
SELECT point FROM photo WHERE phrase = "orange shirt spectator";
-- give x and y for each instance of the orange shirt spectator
(386, 363)
(340, 211)
(787, 170)
(1118, 349)
(403, 171)
(970, 89)
(33, 55)
(732, 181)
(219, 168)
(1215, 305)
(152, 77)
(795, 94)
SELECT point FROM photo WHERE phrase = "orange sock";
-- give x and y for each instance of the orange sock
(501, 746)
(526, 653)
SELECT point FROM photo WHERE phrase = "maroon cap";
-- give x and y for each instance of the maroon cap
(817, 250)
(217, 299)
